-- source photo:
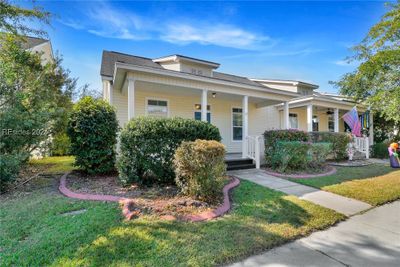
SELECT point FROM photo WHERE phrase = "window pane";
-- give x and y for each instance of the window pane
(197, 116)
(237, 119)
(294, 124)
(237, 133)
(157, 108)
(238, 110)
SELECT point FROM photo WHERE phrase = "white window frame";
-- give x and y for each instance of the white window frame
(297, 116)
(208, 111)
(331, 118)
(155, 99)
(232, 140)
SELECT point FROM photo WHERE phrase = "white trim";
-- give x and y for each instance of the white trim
(156, 99)
(294, 83)
(208, 111)
(297, 116)
(178, 58)
(232, 140)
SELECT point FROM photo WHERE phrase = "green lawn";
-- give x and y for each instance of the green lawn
(375, 184)
(34, 233)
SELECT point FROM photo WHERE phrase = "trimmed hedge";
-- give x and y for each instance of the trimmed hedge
(339, 142)
(296, 155)
(148, 144)
(200, 169)
(380, 150)
(273, 136)
(290, 155)
(92, 129)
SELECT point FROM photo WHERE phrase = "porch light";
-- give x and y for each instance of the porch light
(214, 95)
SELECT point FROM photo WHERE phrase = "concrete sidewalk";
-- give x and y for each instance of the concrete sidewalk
(344, 205)
(370, 239)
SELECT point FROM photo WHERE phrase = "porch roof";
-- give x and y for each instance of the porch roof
(324, 100)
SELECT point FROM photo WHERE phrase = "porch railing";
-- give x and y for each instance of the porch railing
(253, 144)
(362, 145)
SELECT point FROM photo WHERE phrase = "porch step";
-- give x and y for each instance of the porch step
(239, 164)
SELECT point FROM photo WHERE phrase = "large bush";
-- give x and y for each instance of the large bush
(290, 155)
(296, 155)
(60, 145)
(200, 169)
(148, 145)
(273, 136)
(92, 129)
(10, 165)
(339, 142)
(380, 150)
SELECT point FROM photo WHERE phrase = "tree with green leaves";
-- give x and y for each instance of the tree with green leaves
(34, 95)
(376, 81)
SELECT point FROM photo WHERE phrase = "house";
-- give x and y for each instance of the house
(40, 46)
(242, 108)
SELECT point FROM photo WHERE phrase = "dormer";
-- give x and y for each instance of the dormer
(302, 88)
(188, 65)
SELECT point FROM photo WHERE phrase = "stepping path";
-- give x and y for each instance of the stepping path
(344, 205)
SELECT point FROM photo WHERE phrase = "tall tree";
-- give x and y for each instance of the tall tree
(376, 81)
(13, 18)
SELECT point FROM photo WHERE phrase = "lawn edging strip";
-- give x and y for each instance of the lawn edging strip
(125, 202)
(331, 170)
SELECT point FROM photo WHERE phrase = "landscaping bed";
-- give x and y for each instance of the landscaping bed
(158, 200)
(41, 227)
(304, 174)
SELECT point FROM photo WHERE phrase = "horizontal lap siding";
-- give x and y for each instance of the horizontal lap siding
(183, 106)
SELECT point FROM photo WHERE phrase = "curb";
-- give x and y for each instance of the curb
(208, 215)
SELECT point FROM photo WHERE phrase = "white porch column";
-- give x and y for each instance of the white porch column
(131, 98)
(286, 123)
(309, 117)
(336, 119)
(110, 92)
(371, 129)
(245, 126)
(204, 105)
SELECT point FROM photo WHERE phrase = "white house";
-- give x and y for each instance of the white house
(242, 108)
(40, 46)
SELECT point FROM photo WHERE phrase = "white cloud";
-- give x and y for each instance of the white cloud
(345, 63)
(109, 22)
(208, 34)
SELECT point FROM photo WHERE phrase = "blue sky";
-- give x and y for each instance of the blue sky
(305, 41)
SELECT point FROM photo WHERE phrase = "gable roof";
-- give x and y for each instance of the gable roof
(110, 58)
(33, 41)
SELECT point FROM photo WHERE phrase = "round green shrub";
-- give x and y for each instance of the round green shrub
(148, 144)
(200, 169)
(380, 150)
(10, 165)
(339, 142)
(92, 129)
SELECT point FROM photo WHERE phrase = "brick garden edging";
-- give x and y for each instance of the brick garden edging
(332, 170)
(208, 215)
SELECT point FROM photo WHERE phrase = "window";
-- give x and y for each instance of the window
(293, 121)
(237, 124)
(331, 123)
(315, 123)
(197, 113)
(157, 108)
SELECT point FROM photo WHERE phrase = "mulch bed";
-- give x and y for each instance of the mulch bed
(158, 200)
(327, 170)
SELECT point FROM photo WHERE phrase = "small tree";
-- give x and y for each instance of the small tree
(92, 129)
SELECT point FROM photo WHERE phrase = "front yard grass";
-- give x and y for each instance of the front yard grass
(35, 231)
(375, 184)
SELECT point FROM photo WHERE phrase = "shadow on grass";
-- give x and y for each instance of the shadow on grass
(260, 219)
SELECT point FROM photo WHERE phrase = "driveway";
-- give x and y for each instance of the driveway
(369, 239)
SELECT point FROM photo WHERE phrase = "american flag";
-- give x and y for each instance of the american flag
(351, 118)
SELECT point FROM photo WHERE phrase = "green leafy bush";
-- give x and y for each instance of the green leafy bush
(60, 145)
(92, 128)
(200, 169)
(290, 155)
(339, 142)
(319, 152)
(273, 136)
(148, 144)
(380, 150)
(10, 165)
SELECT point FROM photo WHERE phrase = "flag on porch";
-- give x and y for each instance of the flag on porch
(351, 118)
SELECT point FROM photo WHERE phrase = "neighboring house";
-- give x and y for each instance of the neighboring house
(242, 108)
(40, 46)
